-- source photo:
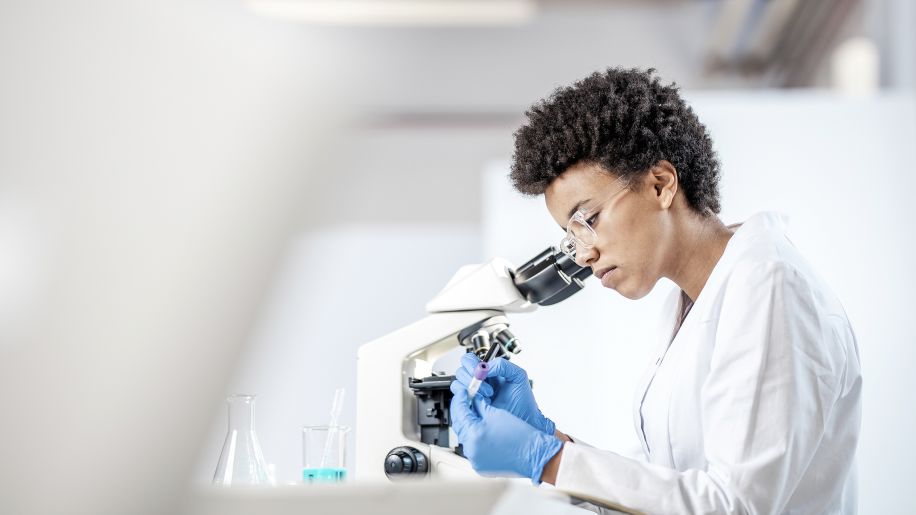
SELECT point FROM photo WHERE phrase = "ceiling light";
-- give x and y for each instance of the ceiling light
(398, 12)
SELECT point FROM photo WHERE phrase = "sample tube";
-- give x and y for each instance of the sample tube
(480, 373)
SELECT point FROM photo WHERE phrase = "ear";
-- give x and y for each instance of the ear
(663, 178)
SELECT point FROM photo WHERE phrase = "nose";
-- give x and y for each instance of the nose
(585, 256)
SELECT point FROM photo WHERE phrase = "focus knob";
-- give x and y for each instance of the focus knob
(405, 461)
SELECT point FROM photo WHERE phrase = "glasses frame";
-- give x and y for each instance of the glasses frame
(570, 243)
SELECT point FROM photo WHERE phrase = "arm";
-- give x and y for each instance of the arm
(552, 466)
(768, 394)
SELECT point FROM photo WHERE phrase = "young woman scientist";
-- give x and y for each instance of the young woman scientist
(753, 406)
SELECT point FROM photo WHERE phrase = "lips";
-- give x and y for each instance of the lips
(606, 275)
(600, 272)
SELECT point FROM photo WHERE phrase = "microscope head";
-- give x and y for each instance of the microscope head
(550, 277)
(547, 279)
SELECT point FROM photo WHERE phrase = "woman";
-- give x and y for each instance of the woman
(753, 406)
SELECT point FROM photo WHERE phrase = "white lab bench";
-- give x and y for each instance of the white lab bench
(491, 497)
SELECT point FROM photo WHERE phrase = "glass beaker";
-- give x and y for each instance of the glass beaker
(324, 454)
(241, 461)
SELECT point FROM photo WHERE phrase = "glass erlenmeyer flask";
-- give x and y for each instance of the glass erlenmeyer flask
(241, 461)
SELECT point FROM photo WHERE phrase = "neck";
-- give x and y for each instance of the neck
(699, 248)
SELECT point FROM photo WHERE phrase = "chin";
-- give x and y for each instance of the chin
(634, 291)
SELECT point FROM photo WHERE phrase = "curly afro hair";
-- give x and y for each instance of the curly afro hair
(624, 120)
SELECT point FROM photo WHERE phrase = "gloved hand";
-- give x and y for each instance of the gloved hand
(495, 441)
(507, 385)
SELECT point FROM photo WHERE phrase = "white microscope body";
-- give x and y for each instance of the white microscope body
(402, 419)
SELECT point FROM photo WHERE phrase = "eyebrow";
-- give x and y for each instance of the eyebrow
(576, 207)
(573, 211)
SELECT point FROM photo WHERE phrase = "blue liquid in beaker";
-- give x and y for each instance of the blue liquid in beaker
(324, 475)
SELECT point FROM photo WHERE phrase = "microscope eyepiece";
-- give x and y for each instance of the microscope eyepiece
(551, 277)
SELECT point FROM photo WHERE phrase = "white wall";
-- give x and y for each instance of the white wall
(840, 170)
(152, 156)
(499, 68)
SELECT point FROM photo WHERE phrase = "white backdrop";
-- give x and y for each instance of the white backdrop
(841, 170)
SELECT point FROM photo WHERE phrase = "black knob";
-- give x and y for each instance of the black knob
(405, 461)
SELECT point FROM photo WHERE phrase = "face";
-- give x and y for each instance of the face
(633, 227)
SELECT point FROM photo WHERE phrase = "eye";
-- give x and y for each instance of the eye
(592, 219)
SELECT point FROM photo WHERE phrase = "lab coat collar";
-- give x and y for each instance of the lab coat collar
(767, 221)
(770, 223)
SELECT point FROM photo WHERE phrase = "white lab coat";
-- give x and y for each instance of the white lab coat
(754, 405)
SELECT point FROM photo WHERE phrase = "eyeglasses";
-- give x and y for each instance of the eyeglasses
(579, 231)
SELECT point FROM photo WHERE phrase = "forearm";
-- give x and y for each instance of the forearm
(550, 469)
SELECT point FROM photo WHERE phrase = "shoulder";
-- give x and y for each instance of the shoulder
(769, 260)
(769, 265)
(760, 251)
(777, 292)
(767, 273)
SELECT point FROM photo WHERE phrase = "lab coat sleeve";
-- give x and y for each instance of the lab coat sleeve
(767, 396)
(633, 451)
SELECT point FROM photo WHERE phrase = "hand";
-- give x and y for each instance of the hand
(507, 384)
(495, 441)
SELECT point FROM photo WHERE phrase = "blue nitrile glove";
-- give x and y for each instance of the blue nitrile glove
(508, 387)
(496, 441)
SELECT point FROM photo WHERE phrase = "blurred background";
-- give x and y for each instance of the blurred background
(206, 197)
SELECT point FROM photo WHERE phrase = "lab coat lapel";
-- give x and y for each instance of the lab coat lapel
(667, 319)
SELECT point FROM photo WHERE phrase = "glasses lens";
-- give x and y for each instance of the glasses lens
(568, 246)
(582, 233)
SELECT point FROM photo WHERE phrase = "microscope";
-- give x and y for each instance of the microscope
(402, 405)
